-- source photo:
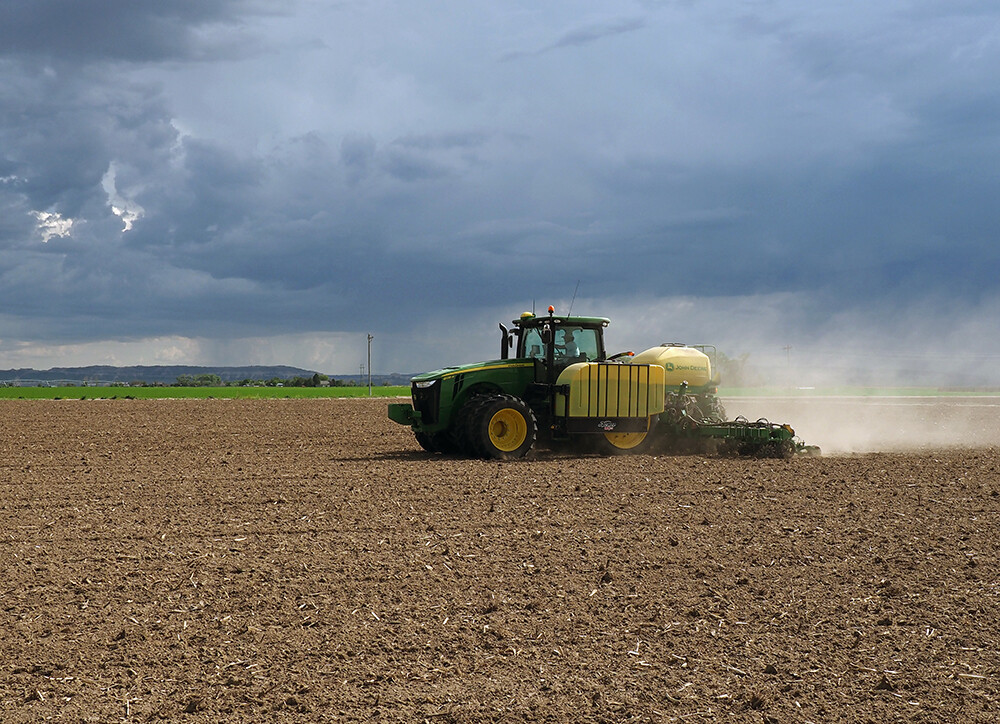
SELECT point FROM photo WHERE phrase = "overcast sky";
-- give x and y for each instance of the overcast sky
(223, 182)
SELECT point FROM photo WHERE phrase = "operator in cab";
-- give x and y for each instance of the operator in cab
(569, 348)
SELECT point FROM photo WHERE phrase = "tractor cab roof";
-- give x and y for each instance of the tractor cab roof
(529, 320)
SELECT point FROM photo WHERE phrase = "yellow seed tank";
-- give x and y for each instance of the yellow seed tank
(598, 389)
(681, 364)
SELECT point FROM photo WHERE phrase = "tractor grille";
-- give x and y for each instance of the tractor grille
(427, 402)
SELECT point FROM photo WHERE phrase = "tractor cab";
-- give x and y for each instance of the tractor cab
(554, 343)
(571, 343)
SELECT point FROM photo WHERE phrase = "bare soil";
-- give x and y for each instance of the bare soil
(305, 561)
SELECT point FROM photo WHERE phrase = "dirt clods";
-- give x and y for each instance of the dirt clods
(306, 561)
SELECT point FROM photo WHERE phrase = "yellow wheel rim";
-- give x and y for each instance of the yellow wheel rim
(508, 430)
(627, 440)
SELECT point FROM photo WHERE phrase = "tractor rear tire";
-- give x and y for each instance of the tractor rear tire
(502, 427)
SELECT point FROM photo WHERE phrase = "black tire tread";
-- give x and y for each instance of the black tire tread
(485, 407)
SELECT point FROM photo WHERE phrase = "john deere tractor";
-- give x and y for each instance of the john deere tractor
(561, 387)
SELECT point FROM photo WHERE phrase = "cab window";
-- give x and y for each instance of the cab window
(533, 345)
(576, 344)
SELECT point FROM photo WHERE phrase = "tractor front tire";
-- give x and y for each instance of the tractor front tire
(502, 428)
(462, 430)
(434, 442)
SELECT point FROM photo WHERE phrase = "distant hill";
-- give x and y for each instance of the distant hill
(150, 374)
(168, 374)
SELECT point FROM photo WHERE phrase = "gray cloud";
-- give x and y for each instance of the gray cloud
(583, 35)
(377, 166)
(461, 140)
(408, 166)
(122, 30)
(357, 152)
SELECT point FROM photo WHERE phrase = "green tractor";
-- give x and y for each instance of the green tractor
(560, 387)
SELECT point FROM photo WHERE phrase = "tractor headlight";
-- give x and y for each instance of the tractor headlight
(424, 384)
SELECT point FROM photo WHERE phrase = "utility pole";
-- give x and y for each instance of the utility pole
(370, 338)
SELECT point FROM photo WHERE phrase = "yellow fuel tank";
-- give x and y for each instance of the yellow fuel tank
(599, 389)
(680, 364)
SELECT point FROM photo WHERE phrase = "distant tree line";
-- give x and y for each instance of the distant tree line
(210, 380)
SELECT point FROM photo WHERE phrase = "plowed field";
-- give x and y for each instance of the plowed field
(305, 561)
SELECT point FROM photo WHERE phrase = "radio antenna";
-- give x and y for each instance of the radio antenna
(574, 298)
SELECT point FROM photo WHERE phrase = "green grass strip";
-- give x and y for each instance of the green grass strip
(195, 393)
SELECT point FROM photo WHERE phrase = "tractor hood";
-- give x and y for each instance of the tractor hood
(476, 366)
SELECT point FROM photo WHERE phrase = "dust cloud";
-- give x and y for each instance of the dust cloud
(841, 425)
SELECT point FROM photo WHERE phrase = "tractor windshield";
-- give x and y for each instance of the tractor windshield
(572, 344)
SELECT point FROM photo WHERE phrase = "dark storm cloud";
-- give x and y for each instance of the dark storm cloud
(58, 136)
(127, 30)
(368, 171)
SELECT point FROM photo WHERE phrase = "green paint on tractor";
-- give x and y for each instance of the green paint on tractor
(555, 385)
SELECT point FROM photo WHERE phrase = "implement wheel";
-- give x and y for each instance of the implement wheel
(503, 428)
(627, 442)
